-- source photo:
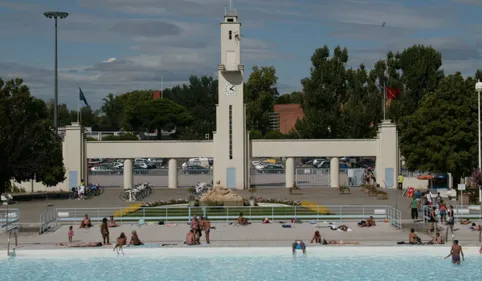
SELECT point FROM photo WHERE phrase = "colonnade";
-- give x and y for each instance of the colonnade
(290, 171)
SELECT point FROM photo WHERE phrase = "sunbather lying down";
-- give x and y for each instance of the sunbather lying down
(80, 245)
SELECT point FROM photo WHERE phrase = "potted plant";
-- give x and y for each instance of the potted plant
(252, 198)
(382, 195)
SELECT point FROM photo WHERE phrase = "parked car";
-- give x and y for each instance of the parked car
(140, 165)
(307, 160)
(318, 161)
(196, 169)
(118, 165)
(366, 164)
(327, 165)
(271, 169)
(105, 170)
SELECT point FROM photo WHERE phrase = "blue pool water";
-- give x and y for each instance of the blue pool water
(270, 265)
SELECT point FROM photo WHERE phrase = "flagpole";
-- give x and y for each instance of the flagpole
(78, 104)
(384, 100)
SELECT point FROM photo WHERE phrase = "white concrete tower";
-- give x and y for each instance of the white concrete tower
(230, 161)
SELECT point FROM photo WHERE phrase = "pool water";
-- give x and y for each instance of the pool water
(278, 264)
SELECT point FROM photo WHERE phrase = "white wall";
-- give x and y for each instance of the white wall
(309, 148)
(155, 149)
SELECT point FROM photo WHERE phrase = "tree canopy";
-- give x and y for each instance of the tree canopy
(434, 113)
(441, 135)
(29, 147)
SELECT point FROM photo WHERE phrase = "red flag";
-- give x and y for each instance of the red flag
(392, 93)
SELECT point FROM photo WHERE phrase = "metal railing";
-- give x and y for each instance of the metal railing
(48, 219)
(394, 217)
(9, 217)
(228, 213)
(460, 212)
(15, 233)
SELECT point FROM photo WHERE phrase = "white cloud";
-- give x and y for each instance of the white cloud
(110, 60)
(175, 39)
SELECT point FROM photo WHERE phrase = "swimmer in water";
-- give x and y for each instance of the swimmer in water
(298, 245)
(456, 252)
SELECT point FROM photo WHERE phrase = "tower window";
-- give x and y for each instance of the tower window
(230, 20)
(230, 35)
(230, 132)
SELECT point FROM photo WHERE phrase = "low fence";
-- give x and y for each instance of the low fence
(460, 212)
(225, 213)
(48, 220)
(9, 217)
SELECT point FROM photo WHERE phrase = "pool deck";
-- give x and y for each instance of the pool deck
(226, 235)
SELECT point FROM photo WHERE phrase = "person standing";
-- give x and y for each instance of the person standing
(432, 220)
(104, 231)
(206, 225)
(451, 219)
(400, 182)
(414, 209)
(438, 200)
(456, 251)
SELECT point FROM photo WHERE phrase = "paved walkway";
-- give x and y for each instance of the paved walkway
(256, 234)
(30, 211)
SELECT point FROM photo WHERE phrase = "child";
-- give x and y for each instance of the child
(71, 233)
(121, 241)
(104, 231)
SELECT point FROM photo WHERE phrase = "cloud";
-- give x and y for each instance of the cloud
(122, 45)
(110, 60)
(147, 28)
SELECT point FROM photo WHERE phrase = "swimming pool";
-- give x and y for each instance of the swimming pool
(247, 264)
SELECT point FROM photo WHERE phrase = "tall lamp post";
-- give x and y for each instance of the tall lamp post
(478, 88)
(56, 15)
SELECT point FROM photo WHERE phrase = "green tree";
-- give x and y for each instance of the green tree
(260, 96)
(29, 147)
(199, 97)
(416, 72)
(63, 114)
(113, 112)
(293, 97)
(324, 93)
(441, 135)
(156, 115)
(274, 135)
(255, 135)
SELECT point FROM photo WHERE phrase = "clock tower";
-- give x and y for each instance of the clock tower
(230, 139)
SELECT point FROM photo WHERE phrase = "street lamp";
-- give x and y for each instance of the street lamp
(478, 88)
(56, 15)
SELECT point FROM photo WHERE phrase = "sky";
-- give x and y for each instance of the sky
(116, 46)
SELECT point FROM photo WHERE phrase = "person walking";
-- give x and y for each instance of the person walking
(400, 182)
(414, 209)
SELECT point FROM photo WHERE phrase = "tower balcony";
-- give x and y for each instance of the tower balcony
(231, 67)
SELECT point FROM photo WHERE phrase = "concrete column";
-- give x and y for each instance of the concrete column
(172, 173)
(72, 152)
(335, 172)
(290, 173)
(387, 162)
(128, 178)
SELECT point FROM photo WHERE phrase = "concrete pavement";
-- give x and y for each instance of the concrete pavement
(30, 211)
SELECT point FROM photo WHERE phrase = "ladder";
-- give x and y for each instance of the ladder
(10, 231)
